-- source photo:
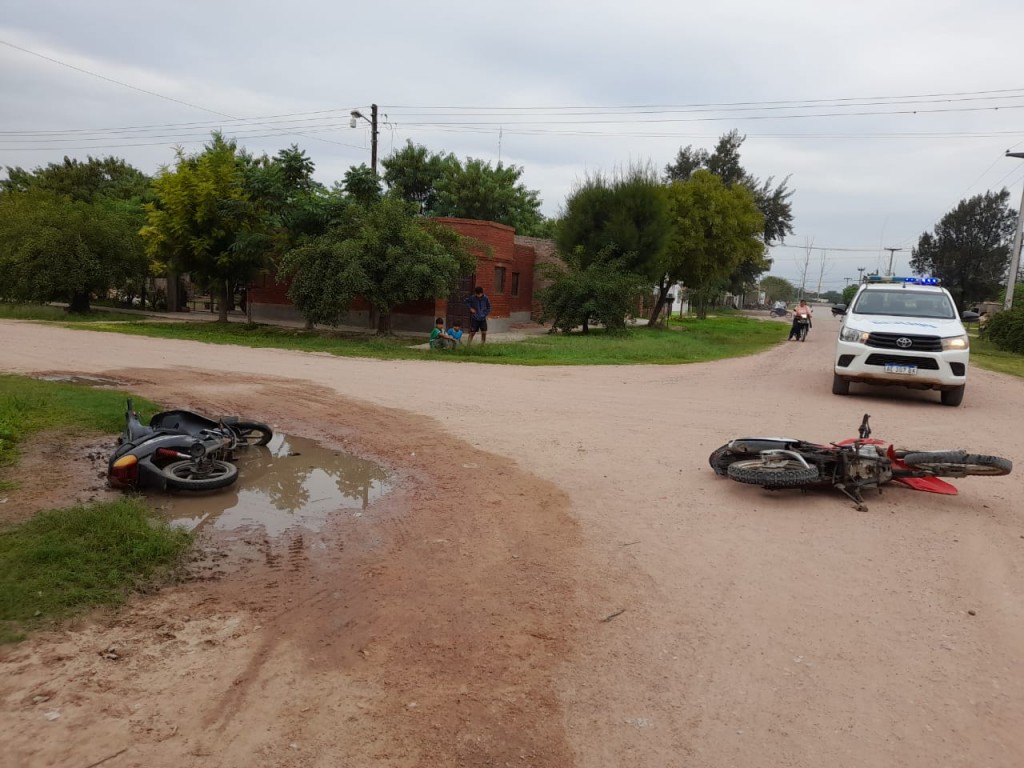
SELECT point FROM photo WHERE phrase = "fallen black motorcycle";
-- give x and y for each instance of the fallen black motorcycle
(181, 450)
(850, 466)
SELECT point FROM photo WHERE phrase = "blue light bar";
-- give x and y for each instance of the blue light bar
(898, 279)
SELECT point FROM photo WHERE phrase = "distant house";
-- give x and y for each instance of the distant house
(504, 269)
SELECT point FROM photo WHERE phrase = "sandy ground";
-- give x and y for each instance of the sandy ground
(585, 593)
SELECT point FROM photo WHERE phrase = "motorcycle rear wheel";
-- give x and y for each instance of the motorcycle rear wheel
(186, 476)
(958, 463)
(253, 432)
(777, 474)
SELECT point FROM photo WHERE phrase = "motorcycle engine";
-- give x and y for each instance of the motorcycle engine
(870, 466)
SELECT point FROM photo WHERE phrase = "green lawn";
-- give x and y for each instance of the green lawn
(984, 354)
(67, 560)
(28, 406)
(57, 314)
(687, 342)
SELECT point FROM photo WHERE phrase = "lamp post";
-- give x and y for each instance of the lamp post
(860, 275)
(372, 120)
(1011, 277)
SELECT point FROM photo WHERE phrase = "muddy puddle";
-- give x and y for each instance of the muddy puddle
(77, 378)
(291, 482)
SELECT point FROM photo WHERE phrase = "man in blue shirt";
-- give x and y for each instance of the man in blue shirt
(479, 308)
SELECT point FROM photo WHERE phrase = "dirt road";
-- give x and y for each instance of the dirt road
(585, 592)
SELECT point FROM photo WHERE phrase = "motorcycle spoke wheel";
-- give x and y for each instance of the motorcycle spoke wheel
(253, 433)
(958, 463)
(208, 475)
(773, 473)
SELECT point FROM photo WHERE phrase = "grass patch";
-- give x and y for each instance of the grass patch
(28, 406)
(985, 354)
(66, 560)
(57, 314)
(687, 341)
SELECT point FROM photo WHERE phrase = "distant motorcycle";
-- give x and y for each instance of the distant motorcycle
(778, 312)
(777, 463)
(180, 450)
(803, 326)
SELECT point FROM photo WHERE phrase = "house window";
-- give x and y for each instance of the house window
(515, 283)
(499, 279)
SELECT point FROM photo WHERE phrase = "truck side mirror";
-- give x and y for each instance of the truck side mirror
(969, 317)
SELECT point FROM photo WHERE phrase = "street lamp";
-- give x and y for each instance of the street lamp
(372, 120)
(1011, 278)
(892, 252)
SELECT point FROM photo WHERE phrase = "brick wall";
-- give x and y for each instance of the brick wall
(545, 253)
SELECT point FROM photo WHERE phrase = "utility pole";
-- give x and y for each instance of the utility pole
(892, 252)
(847, 279)
(374, 132)
(1011, 277)
(860, 276)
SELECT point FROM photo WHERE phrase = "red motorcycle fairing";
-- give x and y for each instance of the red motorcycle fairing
(928, 484)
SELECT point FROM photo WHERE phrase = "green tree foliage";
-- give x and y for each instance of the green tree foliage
(55, 248)
(773, 200)
(623, 222)
(441, 185)
(717, 230)
(969, 249)
(68, 231)
(849, 292)
(211, 216)
(88, 181)
(586, 289)
(1006, 330)
(362, 185)
(382, 252)
(777, 289)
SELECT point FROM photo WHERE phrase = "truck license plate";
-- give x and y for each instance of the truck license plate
(908, 370)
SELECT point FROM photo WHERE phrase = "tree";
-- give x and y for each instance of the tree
(600, 289)
(205, 221)
(969, 249)
(772, 200)
(382, 252)
(108, 177)
(849, 292)
(361, 184)
(623, 222)
(717, 229)
(777, 289)
(441, 185)
(55, 248)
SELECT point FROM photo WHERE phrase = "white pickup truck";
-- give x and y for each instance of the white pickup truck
(902, 331)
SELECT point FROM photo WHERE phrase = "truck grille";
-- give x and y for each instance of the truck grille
(917, 343)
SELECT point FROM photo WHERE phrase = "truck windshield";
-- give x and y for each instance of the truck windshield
(904, 303)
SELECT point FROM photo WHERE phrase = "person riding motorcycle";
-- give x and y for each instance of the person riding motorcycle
(801, 312)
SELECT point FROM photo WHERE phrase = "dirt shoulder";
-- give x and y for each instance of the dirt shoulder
(469, 619)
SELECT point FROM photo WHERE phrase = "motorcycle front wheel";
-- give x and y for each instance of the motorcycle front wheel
(209, 476)
(958, 463)
(253, 433)
(787, 473)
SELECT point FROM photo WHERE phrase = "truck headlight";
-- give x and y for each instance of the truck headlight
(852, 334)
(956, 342)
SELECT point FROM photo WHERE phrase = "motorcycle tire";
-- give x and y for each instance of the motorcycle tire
(958, 463)
(182, 476)
(787, 474)
(253, 433)
(720, 461)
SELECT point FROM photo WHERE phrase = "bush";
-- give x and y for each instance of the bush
(1006, 330)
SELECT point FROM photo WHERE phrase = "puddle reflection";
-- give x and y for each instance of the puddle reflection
(292, 481)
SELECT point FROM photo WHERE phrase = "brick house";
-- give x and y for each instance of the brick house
(504, 269)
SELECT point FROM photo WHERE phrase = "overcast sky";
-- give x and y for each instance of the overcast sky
(883, 114)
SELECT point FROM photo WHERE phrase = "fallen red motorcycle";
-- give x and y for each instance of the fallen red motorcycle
(777, 463)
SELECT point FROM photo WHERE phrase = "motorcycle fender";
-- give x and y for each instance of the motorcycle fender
(929, 484)
(758, 444)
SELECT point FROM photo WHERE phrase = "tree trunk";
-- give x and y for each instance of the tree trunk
(586, 325)
(225, 297)
(79, 304)
(663, 287)
(384, 322)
